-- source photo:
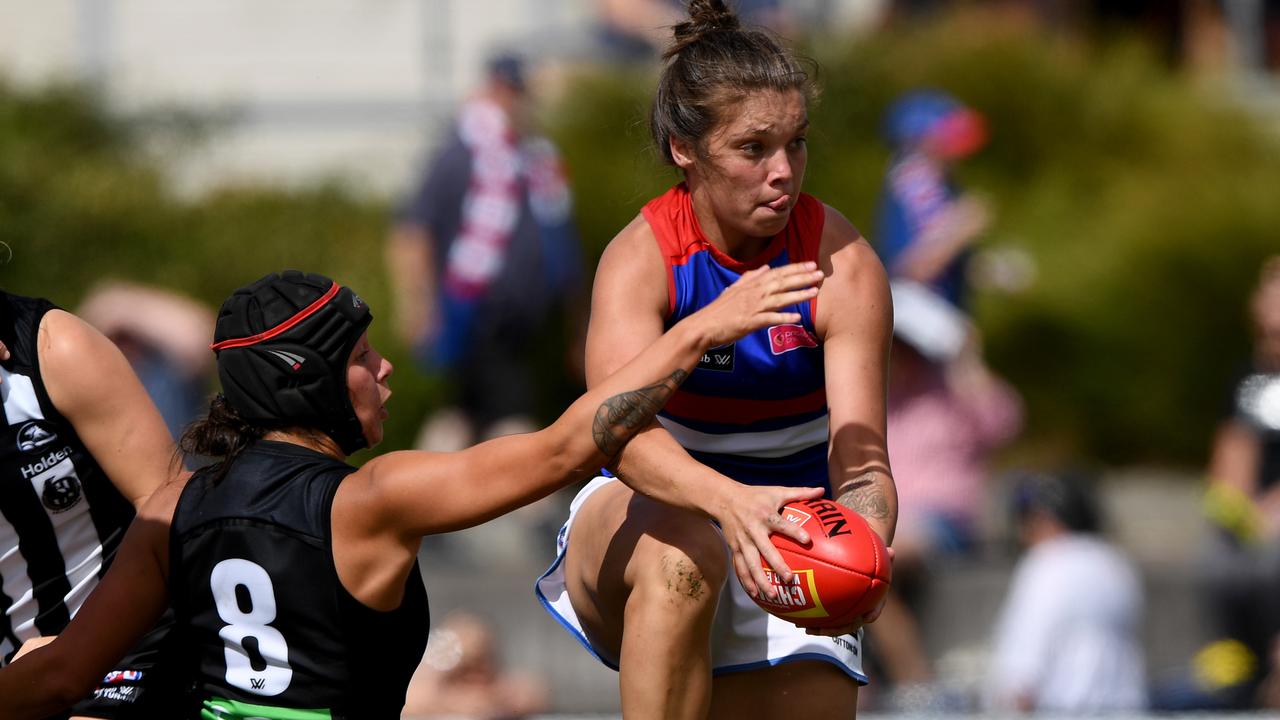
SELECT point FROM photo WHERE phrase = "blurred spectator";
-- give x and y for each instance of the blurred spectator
(1067, 636)
(1240, 567)
(926, 225)
(947, 412)
(165, 337)
(461, 677)
(640, 29)
(482, 253)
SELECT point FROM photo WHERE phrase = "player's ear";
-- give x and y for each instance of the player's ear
(681, 152)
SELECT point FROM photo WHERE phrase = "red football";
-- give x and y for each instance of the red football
(840, 576)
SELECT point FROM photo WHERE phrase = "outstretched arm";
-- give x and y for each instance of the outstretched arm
(422, 494)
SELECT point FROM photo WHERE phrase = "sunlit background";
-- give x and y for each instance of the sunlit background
(1132, 174)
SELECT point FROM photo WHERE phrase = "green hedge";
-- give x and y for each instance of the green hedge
(82, 199)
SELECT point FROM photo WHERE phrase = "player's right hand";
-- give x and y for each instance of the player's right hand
(755, 301)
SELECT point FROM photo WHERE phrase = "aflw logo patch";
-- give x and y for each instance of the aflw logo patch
(292, 360)
(719, 359)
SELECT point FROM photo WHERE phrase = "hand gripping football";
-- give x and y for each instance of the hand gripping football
(840, 576)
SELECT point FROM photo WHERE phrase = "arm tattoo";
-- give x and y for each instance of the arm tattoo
(865, 496)
(619, 417)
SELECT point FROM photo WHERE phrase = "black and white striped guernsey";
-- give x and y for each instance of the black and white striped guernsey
(61, 519)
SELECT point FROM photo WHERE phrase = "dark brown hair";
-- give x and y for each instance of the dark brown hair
(712, 62)
(221, 435)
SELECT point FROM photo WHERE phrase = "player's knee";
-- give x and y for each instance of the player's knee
(689, 567)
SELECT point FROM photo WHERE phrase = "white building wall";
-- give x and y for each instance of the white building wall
(301, 89)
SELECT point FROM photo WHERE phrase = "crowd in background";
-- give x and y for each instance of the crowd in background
(484, 259)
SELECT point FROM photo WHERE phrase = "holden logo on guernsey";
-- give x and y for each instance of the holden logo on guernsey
(32, 437)
(294, 361)
(785, 338)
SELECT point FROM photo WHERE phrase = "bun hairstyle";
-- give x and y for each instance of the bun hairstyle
(712, 62)
(705, 16)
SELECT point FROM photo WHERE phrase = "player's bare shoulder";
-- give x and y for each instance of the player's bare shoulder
(77, 362)
(855, 276)
(632, 264)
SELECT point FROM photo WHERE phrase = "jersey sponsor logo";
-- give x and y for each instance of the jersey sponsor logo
(124, 694)
(785, 338)
(32, 437)
(798, 598)
(61, 493)
(840, 641)
(293, 360)
(30, 470)
(718, 359)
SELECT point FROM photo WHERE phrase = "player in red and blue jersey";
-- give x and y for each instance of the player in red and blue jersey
(794, 410)
(755, 410)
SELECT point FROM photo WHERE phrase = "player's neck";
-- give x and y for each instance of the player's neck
(727, 240)
(310, 439)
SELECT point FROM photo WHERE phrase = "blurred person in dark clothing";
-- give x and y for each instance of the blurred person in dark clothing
(926, 224)
(483, 252)
(1240, 567)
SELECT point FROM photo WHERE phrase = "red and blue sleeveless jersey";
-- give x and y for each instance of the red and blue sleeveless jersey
(754, 410)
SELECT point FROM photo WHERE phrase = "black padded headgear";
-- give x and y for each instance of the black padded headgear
(282, 344)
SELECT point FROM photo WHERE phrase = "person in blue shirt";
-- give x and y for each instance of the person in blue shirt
(926, 225)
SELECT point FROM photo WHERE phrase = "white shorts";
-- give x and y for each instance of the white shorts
(743, 636)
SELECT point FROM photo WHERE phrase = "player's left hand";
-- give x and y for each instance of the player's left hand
(856, 625)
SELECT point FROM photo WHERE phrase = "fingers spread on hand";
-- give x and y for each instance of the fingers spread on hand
(774, 558)
(743, 570)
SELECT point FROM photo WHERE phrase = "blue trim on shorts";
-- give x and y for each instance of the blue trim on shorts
(546, 605)
(857, 677)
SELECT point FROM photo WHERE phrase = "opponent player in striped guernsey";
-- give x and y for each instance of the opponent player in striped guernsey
(641, 577)
(81, 445)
